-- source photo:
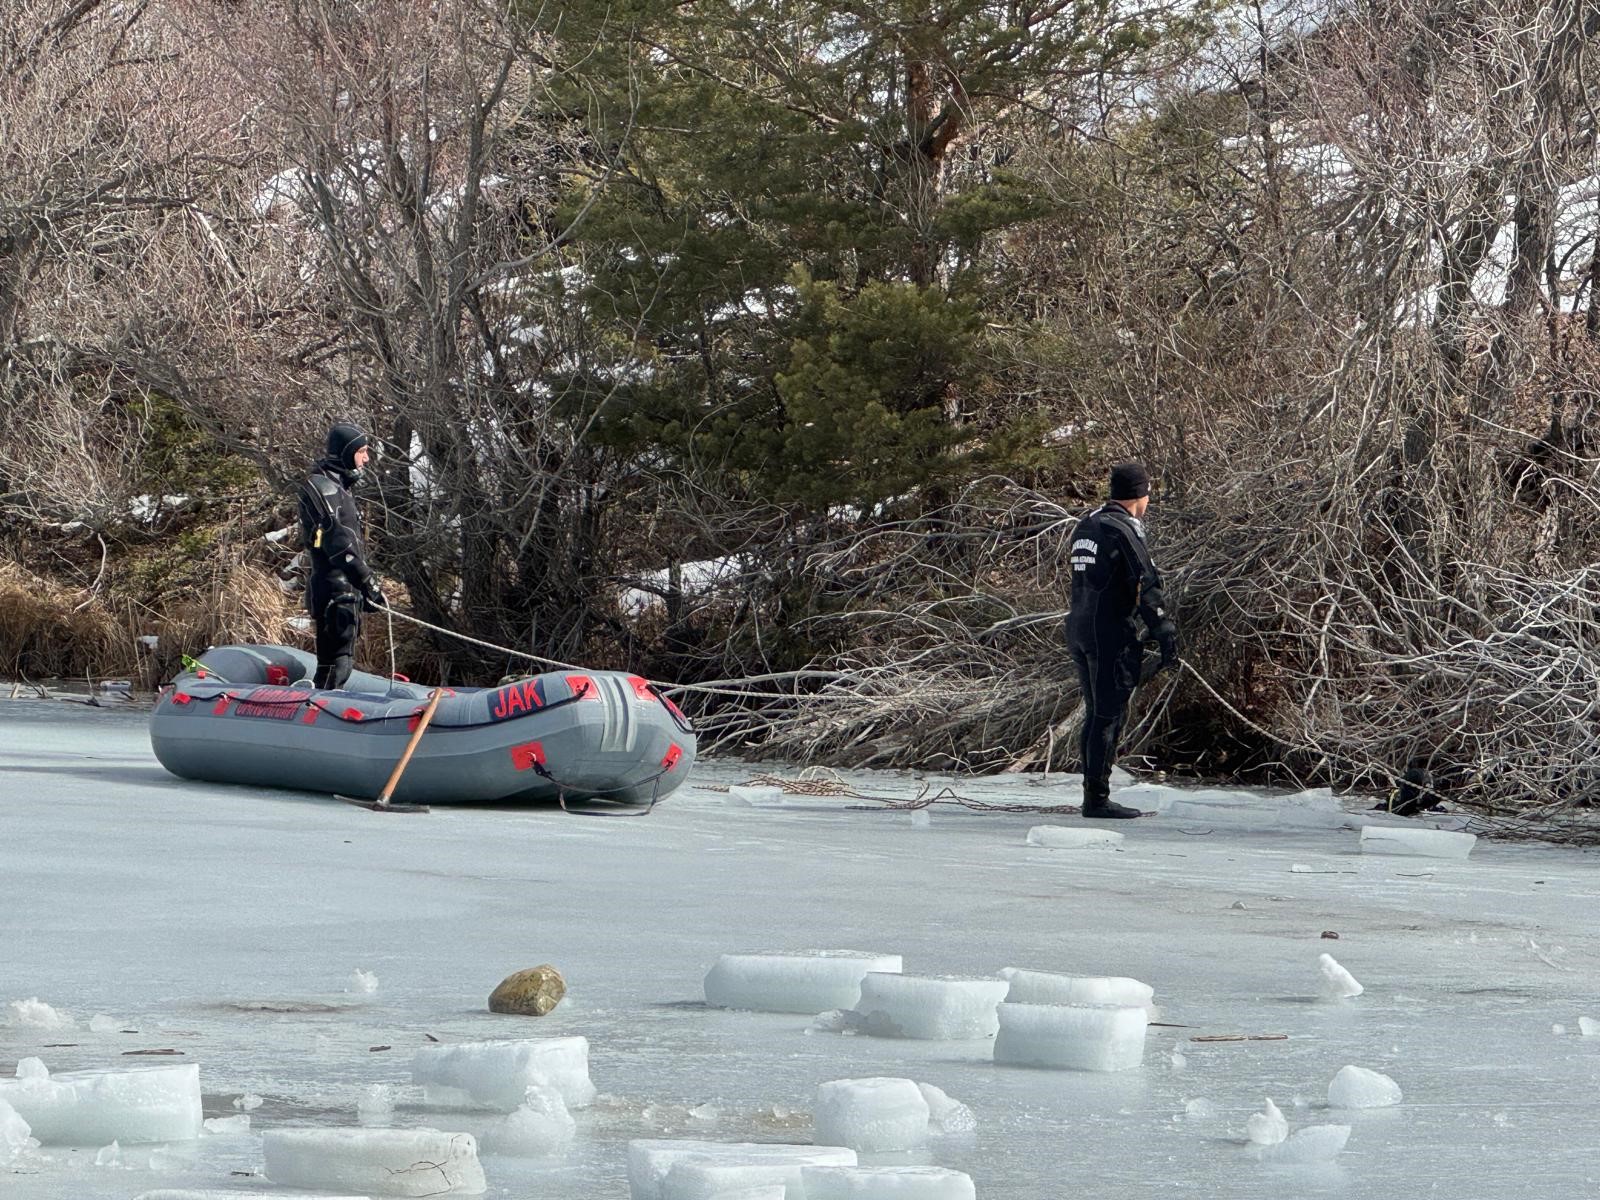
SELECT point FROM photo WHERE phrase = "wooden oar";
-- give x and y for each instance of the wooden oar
(382, 803)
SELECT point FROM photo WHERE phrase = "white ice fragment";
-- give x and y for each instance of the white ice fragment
(1267, 1127)
(108, 1156)
(1071, 837)
(756, 797)
(946, 1115)
(1178, 1060)
(711, 1179)
(1337, 983)
(234, 1194)
(542, 1127)
(249, 1102)
(1357, 1087)
(1588, 1027)
(375, 1107)
(1200, 1109)
(364, 982)
(1047, 987)
(1075, 1037)
(90, 1108)
(873, 1116)
(885, 1183)
(32, 1070)
(34, 1013)
(707, 1113)
(1424, 843)
(391, 1162)
(921, 818)
(15, 1136)
(150, 641)
(100, 1023)
(835, 1020)
(801, 981)
(651, 1159)
(1313, 1144)
(497, 1074)
(929, 1007)
(237, 1124)
(1558, 1030)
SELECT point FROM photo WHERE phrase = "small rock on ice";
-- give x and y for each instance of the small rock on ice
(1313, 1144)
(239, 1123)
(1337, 983)
(1357, 1087)
(532, 992)
(34, 1013)
(364, 982)
(1588, 1027)
(1267, 1127)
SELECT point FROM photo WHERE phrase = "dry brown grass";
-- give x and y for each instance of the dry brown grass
(44, 633)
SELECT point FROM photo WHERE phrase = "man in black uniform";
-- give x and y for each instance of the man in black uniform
(330, 528)
(1112, 579)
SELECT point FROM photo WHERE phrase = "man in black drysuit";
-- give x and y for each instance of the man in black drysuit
(341, 584)
(1112, 579)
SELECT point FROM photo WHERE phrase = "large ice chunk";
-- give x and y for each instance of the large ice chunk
(875, 1116)
(945, 1114)
(708, 1179)
(801, 981)
(1357, 1087)
(1078, 1037)
(929, 1007)
(389, 1162)
(93, 1108)
(650, 1159)
(1072, 837)
(886, 1183)
(1337, 983)
(1046, 987)
(1425, 843)
(498, 1074)
(234, 1194)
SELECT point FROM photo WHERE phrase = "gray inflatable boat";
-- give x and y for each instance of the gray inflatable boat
(247, 715)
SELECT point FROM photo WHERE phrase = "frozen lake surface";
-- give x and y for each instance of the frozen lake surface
(228, 923)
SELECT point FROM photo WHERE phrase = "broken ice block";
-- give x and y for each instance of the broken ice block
(755, 796)
(92, 1108)
(650, 1159)
(945, 1114)
(1077, 1037)
(1357, 1087)
(873, 1116)
(929, 1007)
(1313, 1144)
(802, 981)
(707, 1179)
(497, 1074)
(1425, 843)
(234, 1194)
(1267, 1127)
(389, 1162)
(886, 1183)
(1046, 987)
(540, 1128)
(1068, 837)
(1337, 983)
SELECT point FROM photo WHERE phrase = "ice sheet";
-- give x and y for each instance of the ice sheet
(239, 914)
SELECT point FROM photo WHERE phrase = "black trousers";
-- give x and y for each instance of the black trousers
(1108, 673)
(336, 613)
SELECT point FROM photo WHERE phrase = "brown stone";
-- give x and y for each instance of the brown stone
(530, 993)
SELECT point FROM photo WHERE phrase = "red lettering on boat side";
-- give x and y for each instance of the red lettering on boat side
(271, 703)
(517, 698)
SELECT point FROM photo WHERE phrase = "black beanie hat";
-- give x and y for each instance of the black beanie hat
(343, 442)
(1129, 481)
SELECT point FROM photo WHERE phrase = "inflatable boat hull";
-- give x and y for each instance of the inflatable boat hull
(568, 735)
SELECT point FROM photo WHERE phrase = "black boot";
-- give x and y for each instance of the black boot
(1098, 805)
